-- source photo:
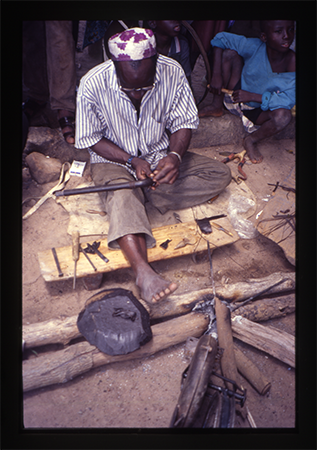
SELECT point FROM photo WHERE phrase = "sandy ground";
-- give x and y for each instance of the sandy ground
(143, 393)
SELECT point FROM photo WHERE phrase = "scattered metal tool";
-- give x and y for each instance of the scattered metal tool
(219, 227)
(75, 253)
(165, 243)
(93, 248)
(89, 260)
(204, 224)
(285, 188)
(237, 393)
(241, 163)
(60, 273)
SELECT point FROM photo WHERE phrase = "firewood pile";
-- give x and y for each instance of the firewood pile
(176, 322)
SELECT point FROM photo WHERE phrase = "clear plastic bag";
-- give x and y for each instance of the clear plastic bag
(237, 207)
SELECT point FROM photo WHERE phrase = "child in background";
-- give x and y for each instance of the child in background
(261, 72)
(170, 42)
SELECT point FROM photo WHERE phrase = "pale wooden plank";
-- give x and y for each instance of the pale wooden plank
(175, 233)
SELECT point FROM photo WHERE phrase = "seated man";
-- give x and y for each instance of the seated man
(261, 72)
(135, 113)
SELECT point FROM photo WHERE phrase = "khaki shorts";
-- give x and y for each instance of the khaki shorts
(199, 180)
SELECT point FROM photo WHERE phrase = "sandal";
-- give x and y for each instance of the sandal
(70, 123)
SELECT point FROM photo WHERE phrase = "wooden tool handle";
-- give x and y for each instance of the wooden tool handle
(226, 91)
(75, 246)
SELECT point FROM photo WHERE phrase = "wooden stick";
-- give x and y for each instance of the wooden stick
(266, 309)
(275, 342)
(225, 339)
(243, 290)
(67, 364)
(227, 91)
(251, 372)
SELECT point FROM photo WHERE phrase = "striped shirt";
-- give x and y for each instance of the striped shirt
(104, 110)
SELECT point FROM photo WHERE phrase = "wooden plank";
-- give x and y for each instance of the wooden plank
(175, 233)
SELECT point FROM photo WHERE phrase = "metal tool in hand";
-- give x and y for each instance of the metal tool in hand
(107, 187)
(93, 248)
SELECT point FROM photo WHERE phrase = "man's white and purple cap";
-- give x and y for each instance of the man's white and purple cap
(132, 45)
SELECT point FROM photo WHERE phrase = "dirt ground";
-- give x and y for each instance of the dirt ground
(143, 393)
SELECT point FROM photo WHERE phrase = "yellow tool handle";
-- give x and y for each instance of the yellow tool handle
(226, 91)
(75, 247)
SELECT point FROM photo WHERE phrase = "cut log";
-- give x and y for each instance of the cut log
(266, 309)
(241, 291)
(64, 365)
(251, 372)
(55, 331)
(275, 342)
(225, 339)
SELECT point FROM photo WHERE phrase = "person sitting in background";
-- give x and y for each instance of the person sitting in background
(261, 73)
(170, 42)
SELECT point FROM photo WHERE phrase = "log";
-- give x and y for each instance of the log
(275, 342)
(55, 331)
(62, 331)
(251, 372)
(225, 340)
(243, 290)
(266, 309)
(64, 365)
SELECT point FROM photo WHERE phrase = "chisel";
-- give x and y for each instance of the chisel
(75, 252)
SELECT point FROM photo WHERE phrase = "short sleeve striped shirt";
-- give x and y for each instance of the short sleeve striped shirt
(103, 110)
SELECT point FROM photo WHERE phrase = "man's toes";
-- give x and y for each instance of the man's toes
(156, 297)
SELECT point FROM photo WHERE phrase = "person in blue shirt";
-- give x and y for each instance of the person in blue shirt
(261, 72)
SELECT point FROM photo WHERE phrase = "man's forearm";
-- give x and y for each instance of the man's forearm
(180, 140)
(110, 151)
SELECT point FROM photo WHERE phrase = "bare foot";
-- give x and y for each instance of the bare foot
(153, 287)
(252, 152)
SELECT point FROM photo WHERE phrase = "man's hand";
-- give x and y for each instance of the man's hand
(216, 84)
(166, 171)
(241, 96)
(142, 168)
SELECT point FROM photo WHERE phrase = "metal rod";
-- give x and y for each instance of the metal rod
(108, 187)
(89, 260)
(60, 273)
